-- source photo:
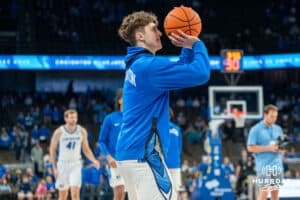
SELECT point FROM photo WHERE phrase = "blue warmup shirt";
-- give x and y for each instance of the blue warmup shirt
(146, 88)
(263, 135)
(109, 133)
(173, 159)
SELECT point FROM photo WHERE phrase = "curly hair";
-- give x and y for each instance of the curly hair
(133, 22)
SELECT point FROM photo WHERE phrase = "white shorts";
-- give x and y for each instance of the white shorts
(140, 181)
(69, 174)
(176, 177)
(115, 178)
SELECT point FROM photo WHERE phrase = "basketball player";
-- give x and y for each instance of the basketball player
(173, 158)
(263, 141)
(144, 136)
(107, 140)
(70, 138)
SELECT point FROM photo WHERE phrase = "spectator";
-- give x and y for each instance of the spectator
(17, 178)
(35, 137)
(28, 121)
(47, 114)
(25, 189)
(228, 169)
(196, 103)
(37, 158)
(193, 136)
(50, 187)
(5, 190)
(2, 170)
(5, 140)
(21, 118)
(28, 100)
(44, 133)
(18, 143)
(41, 190)
(56, 116)
(37, 116)
(33, 179)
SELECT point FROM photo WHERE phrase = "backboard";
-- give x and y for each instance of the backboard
(224, 100)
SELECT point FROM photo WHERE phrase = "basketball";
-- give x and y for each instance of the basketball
(185, 19)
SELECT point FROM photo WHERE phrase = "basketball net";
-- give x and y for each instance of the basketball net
(239, 118)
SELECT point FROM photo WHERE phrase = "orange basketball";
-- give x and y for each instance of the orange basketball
(185, 19)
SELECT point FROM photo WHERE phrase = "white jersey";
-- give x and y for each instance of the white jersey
(70, 144)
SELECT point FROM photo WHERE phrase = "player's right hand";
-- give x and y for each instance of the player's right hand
(111, 161)
(55, 172)
(183, 40)
(273, 147)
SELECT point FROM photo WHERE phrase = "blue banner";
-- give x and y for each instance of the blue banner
(44, 62)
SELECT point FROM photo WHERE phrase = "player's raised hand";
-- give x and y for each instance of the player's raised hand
(182, 40)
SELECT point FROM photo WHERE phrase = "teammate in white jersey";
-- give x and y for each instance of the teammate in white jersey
(67, 170)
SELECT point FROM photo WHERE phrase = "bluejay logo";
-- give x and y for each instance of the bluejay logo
(130, 76)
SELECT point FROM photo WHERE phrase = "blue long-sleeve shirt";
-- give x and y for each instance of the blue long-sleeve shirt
(109, 133)
(173, 159)
(146, 95)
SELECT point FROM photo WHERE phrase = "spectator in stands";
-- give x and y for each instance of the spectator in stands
(240, 171)
(37, 116)
(25, 189)
(18, 143)
(37, 158)
(13, 133)
(5, 190)
(33, 179)
(228, 169)
(23, 143)
(73, 104)
(48, 169)
(47, 114)
(28, 100)
(21, 119)
(204, 165)
(193, 136)
(28, 121)
(196, 103)
(17, 178)
(50, 187)
(2, 170)
(94, 180)
(44, 133)
(180, 103)
(5, 140)
(35, 137)
(9, 178)
(41, 190)
(56, 115)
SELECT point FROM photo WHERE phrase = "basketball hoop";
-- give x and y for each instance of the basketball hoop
(239, 118)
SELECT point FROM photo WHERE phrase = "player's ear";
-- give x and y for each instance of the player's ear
(139, 36)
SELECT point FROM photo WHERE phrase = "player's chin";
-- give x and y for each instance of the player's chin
(159, 46)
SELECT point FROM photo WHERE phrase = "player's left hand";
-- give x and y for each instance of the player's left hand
(96, 164)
